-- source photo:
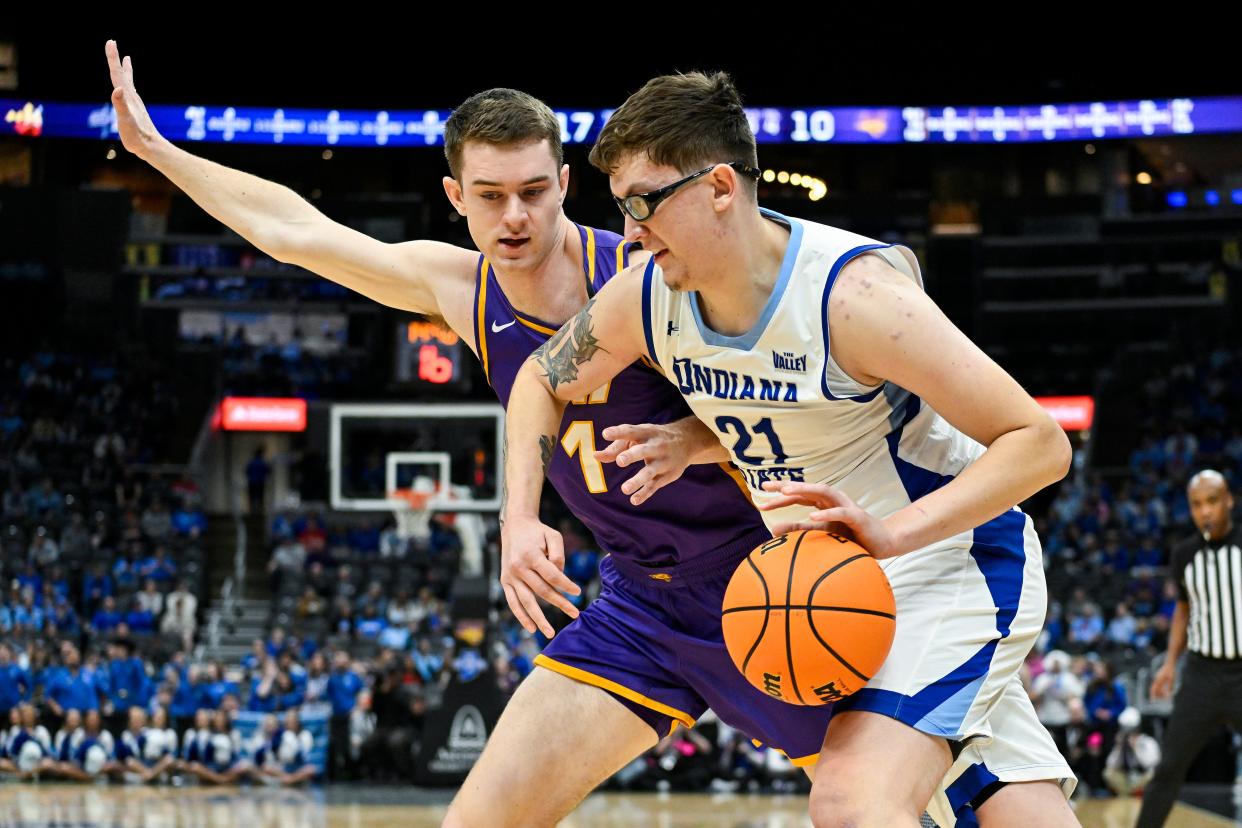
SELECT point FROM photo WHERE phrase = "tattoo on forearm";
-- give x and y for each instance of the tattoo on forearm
(568, 348)
(546, 445)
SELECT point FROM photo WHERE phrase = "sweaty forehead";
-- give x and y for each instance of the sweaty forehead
(636, 173)
(507, 163)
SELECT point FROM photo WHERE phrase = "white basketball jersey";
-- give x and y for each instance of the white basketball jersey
(780, 403)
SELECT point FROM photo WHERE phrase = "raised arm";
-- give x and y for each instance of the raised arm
(420, 276)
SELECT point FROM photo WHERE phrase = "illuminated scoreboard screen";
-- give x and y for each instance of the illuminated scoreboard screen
(1036, 122)
(429, 355)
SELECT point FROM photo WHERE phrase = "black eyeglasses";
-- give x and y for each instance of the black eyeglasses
(641, 205)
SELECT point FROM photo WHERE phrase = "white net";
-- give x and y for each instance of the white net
(413, 509)
(410, 509)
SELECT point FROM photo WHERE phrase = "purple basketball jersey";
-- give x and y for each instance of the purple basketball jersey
(706, 512)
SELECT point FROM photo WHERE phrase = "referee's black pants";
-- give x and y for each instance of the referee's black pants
(1210, 695)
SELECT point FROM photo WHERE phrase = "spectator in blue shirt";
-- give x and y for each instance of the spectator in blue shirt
(1123, 628)
(396, 637)
(274, 691)
(216, 687)
(72, 688)
(1149, 554)
(125, 572)
(59, 583)
(15, 684)
(1054, 629)
(282, 526)
(1088, 628)
(295, 671)
(189, 522)
(289, 693)
(65, 619)
(343, 687)
(252, 661)
(42, 672)
(275, 644)
(263, 694)
(95, 587)
(344, 684)
(28, 615)
(370, 624)
(158, 568)
(1116, 556)
(30, 579)
(185, 693)
(106, 617)
(126, 683)
(139, 620)
(1104, 700)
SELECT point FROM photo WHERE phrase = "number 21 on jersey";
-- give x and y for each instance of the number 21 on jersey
(746, 436)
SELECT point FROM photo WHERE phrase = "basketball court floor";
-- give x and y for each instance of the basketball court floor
(120, 806)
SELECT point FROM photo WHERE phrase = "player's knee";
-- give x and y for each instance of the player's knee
(844, 811)
(851, 803)
(463, 813)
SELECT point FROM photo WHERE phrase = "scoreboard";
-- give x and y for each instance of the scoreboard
(428, 354)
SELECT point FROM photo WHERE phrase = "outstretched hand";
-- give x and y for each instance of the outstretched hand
(138, 132)
(660, 448)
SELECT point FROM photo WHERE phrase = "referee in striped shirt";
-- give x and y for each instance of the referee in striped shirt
(1208, 624)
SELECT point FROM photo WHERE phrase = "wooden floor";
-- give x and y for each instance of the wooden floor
(121, 806)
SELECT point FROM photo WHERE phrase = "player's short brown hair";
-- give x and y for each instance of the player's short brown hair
(685, 121)
(503, 117)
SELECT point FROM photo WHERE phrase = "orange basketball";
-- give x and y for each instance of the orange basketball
(808, 617)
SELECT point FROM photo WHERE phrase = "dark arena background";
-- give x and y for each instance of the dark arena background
(262, 508)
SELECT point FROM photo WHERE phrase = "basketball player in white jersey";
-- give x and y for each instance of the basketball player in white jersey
(850, 402)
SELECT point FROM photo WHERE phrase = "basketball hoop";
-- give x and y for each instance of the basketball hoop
(410, 509)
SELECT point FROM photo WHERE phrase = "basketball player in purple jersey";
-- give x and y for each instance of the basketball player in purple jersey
(648, 653)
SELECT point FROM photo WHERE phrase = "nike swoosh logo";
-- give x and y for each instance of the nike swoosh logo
(498, 328)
